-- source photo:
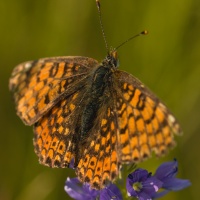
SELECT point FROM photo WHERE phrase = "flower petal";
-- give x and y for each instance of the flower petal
(144, 196)
(167, 169)
(151, 185)
(136, 176)
(175, 184)
(110, 192)
(160, 194)
(79, 192)
(147, 185)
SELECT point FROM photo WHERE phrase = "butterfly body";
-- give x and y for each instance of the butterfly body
(101, 82)
(90, 113)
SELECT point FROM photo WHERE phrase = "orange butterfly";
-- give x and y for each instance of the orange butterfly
(91, 113)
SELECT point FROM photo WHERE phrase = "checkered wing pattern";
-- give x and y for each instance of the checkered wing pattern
(39, 85)
(55, 136)
(145, 124)
(60, 97)
(131, 124)
(100, 161)
(56, 139)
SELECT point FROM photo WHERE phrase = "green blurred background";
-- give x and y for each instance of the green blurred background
(167, 61)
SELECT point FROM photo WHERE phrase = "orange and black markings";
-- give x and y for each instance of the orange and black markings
(91, 113)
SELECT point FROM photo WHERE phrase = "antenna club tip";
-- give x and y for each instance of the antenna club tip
(145, 32)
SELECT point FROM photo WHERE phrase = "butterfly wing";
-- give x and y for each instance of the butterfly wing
(39, 85)
(145, 124)
(131, 123)
(99, 162)
(55, 135)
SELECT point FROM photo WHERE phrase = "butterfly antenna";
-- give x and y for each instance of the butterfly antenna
(145, 32)
(101, 24)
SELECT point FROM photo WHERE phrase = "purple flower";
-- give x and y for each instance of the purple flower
(82, 192)
(166, 173)
(142, 185)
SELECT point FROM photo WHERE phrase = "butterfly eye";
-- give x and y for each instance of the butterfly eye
(111, 60)
(114, 54)
(114, 58)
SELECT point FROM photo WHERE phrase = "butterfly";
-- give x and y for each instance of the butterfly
(91, 115)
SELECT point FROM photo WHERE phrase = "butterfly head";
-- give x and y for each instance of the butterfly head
(111, 60)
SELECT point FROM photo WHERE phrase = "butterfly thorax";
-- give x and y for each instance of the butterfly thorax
(98, 84)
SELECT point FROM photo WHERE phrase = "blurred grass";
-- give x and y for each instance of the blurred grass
(167, 61)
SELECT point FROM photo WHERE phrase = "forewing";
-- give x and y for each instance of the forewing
(54, 133)
(145, 124)
(99, 162)
(39, 85)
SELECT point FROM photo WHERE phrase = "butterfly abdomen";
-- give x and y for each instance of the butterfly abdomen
(93, 99)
